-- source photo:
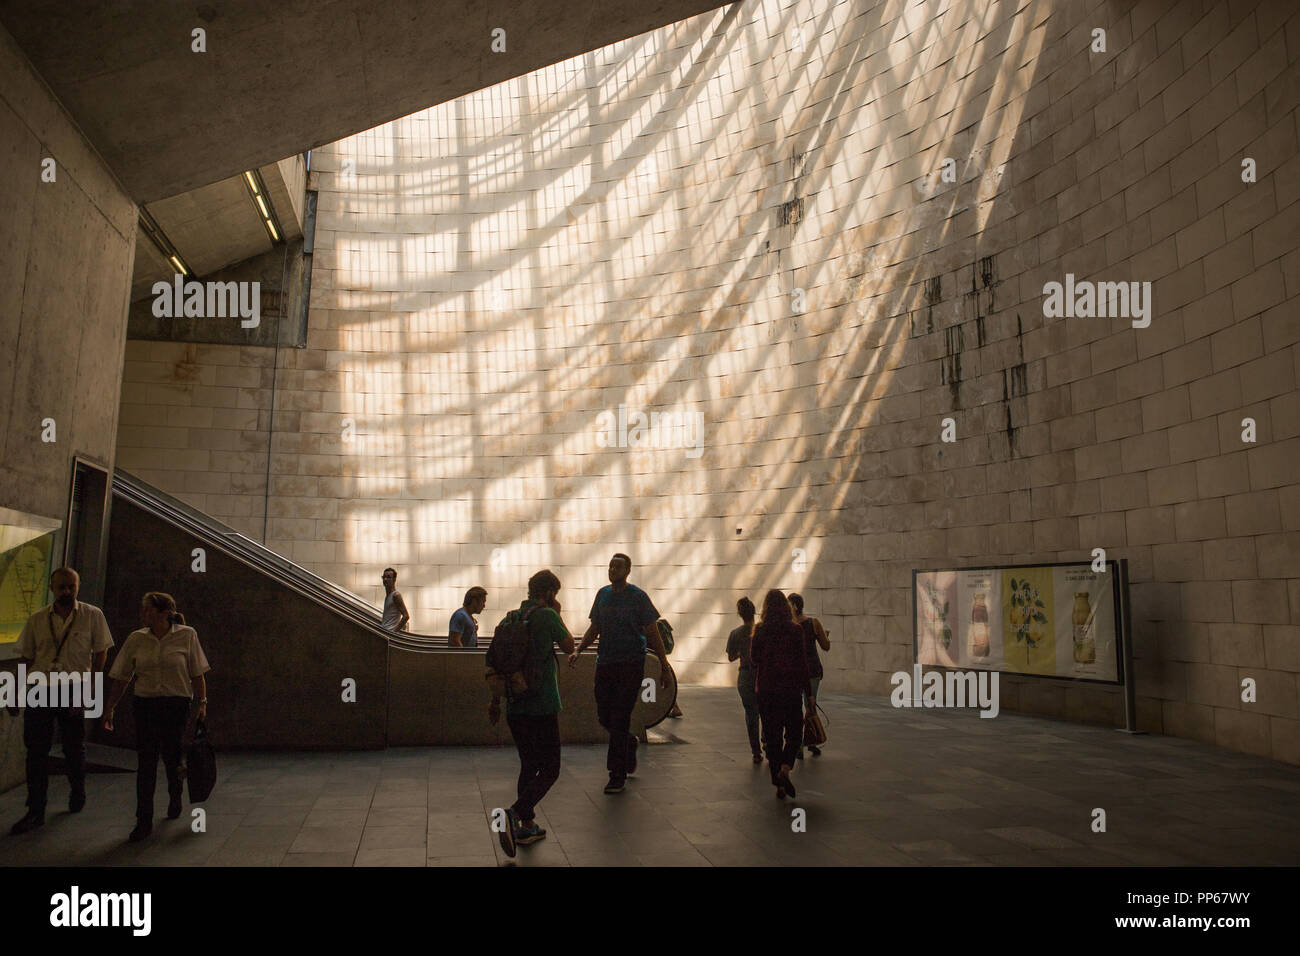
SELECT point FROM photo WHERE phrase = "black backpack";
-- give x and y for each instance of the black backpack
(511, 670)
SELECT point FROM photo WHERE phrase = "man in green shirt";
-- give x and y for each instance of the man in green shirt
(534, 719)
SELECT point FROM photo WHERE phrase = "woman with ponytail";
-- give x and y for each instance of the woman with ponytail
(738, 649)
(167, 662)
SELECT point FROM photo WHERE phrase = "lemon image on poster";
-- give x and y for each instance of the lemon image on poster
(1028, 629)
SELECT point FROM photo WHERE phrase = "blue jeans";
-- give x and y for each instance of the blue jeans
(749, 698)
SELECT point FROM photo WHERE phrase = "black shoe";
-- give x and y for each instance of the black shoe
(142, 830)
(816, 751)
(27, 824)
(507, 836)
(632, 766)
(783, 780)
(758, 759)
(76, 802)
(799, 755)
(615, 784)
(173, 808)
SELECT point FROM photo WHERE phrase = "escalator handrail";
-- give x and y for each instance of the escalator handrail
(250, 553)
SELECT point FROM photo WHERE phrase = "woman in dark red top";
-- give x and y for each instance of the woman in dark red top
(781, 674)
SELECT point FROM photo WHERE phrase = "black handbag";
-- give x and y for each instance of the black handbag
(200, 764)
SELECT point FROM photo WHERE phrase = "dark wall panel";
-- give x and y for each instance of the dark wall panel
(278, 660)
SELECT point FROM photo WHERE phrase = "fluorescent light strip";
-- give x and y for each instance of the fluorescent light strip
(260, 196)
(153, 232)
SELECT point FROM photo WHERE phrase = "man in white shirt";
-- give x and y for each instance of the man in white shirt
(67, 637)
(396, 616)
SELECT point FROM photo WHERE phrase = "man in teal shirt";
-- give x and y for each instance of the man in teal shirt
(534, 719)
(625, 621)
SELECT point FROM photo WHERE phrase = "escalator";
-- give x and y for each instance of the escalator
(129, 489)
(299, 662)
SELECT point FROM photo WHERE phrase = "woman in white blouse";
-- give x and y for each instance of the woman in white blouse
(168, 665)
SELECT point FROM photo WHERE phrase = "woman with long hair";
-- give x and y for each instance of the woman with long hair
(781, 676)
(738, 649)
(168, 665)
(813, 635)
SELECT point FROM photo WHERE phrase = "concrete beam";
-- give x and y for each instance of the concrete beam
(279, 78)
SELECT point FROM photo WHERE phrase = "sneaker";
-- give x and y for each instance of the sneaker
(142, 830)
(27, 824)
(615, 784)
(527, 835)
(173, 808)
(507, 836)
(76, 801)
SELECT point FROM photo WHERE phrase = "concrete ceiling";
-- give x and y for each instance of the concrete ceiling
(211, 227)
(218, 224)
(282, 77)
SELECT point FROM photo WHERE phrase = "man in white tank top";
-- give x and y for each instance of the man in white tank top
(396, 617)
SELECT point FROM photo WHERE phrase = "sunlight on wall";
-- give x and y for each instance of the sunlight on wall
(693, 222)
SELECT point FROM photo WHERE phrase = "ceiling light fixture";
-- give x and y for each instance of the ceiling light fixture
(169, 252)
(262, 199)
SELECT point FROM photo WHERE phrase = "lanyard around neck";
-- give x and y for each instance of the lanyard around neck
(67, 632)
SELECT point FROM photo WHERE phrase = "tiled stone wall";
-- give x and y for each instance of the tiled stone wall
(66, 248)
(65, 275)
(745, 216)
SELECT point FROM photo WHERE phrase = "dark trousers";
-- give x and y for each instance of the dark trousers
(159, 725)
(749, 700)
(617, 687)
(537, 738)
(782, 728)
(38, 737)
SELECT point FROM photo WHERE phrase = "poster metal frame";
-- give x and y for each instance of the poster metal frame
(1117, 567)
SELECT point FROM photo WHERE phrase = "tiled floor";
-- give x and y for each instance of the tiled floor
(893, 787)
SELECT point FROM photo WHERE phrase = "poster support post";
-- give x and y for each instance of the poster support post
(1126, 643)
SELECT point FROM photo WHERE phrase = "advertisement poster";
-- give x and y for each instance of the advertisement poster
(979, 609)
(1028, 620)
(1085, 636)
(24, 574)
(936, 616)
(1047, 620)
